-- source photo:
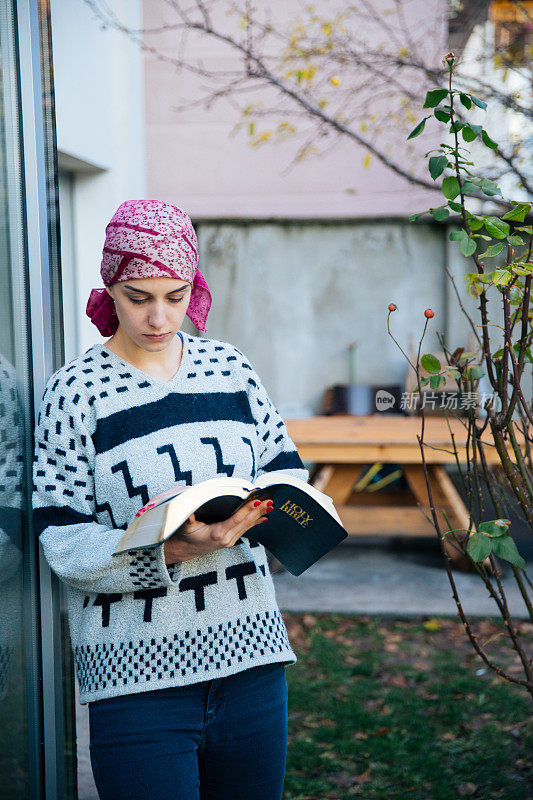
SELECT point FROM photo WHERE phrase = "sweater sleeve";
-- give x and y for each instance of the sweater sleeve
(77, 547)
(277, 451)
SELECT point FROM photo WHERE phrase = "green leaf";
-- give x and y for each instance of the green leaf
(453, 373)
(474, 372)
(527, 355)
(467, 247)
(519, 270)
(489, 187)
(527, 352)
(437, 165)
(468, 134)
(436, 381)
(450, 187)
(515, 240)
(458, 236)
(434, 97)
(479, 103)
(496, 227)
(424, 381)
(505, 548)
(468, 186)
(493, 250)
(455, 206)
(465, 100)
(414, 217)
(526, 228)
(518, 213)
(501, 277)
(430, 363)
(479, 547)
(495, 527)
(418, 129)
(488, 141)
(441, 115)
(475, 223)
(440, 213)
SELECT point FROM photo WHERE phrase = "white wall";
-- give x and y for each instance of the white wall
(99, 95)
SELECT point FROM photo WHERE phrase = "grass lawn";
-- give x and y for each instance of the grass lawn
(383, 708)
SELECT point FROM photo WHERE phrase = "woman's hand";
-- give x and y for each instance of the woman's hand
(195, 538)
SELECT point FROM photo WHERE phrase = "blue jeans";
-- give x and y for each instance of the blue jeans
(220, 739)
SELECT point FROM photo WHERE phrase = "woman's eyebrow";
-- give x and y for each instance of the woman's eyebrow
(133, 289)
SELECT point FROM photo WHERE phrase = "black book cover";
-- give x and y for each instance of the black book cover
(298, 532)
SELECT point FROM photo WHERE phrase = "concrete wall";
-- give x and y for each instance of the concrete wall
(293, 295)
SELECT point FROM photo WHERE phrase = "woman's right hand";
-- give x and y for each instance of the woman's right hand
(195, 538)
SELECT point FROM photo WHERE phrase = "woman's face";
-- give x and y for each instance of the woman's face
(151, 306)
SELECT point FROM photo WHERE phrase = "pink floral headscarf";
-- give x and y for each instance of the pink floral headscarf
(149, 239)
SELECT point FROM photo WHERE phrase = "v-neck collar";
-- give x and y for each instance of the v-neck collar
(177, 378)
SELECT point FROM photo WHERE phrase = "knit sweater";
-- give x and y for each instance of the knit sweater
(108, 438)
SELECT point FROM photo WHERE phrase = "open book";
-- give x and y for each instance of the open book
(303, 526)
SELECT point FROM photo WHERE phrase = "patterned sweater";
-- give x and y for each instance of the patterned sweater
(108, 437)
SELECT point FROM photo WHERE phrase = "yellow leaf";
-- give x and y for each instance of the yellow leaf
(366, 160)
(432, 625)
(335, 80)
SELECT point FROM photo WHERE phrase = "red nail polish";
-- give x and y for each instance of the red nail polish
(265, 519)
(257, 503)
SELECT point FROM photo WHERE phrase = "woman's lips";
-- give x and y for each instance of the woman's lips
(160, 336)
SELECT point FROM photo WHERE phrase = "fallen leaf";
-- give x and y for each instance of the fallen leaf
(467, 789)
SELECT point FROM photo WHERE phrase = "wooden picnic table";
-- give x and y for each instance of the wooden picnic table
(343, 446)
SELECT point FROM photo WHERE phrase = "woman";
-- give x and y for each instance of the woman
(180, 651)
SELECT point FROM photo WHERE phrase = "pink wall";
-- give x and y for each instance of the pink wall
(193, 161)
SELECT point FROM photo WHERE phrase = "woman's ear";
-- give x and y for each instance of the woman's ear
(109, 293)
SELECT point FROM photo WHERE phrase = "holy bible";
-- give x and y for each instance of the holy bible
(303, 526)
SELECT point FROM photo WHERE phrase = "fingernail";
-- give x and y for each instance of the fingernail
(269, 509)
(257, 503)
(150, 505)
(270, 504)
(265, 519)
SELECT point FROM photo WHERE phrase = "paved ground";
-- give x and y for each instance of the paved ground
(390, 578)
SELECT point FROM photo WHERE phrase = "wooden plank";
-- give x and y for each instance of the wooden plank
(387, 438)
(385, 521)
(459, 516)
(340, 480)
